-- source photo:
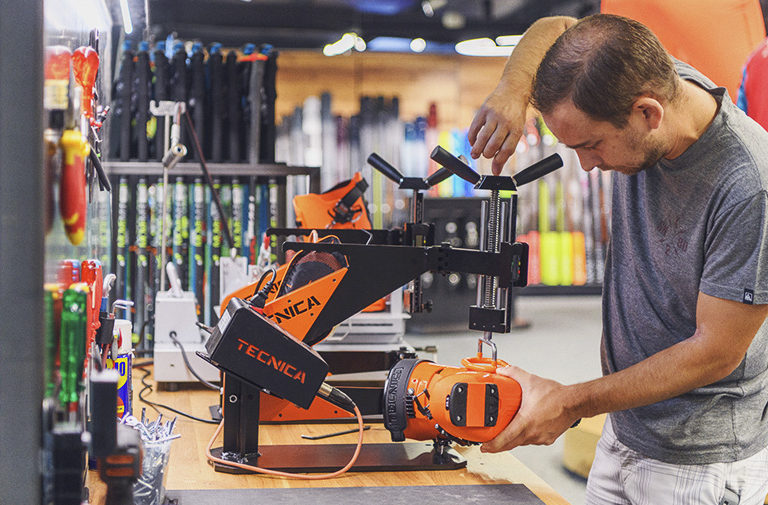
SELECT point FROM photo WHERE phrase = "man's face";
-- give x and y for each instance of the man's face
(628, 150)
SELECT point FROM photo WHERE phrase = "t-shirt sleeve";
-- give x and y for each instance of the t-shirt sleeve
(736, 262)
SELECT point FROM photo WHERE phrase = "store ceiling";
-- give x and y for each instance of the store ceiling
(314, 23)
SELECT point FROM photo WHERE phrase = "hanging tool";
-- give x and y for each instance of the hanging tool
(162, 78)
(121, 125)
(144, 87)
(72, 202)
(74, 327)
(52, 298)
(85, 64)
(94, 123)
(91, 274)
(216, 72)
(196, 99)
(56, 102)
(268, 130)
(233, 107)
(104, 334)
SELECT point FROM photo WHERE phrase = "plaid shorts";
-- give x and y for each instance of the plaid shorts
(621, 476)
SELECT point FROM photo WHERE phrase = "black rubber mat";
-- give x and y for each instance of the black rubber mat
(516, 494)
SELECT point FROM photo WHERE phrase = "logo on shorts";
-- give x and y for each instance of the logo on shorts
(749, 297)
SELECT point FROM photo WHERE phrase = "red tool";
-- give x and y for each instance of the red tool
(90, 273)
(85, 64)
(68, 273)
(72, 184)
(56, 101)
(57, 62)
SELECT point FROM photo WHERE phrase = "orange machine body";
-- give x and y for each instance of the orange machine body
(296, 311)
(467, 405)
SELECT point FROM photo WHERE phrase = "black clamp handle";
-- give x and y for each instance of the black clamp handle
(438, 176)
(538, 169)
(455, 165)
(385, 168)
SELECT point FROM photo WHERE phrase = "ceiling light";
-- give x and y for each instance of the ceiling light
(344, 44)
(127, 23)
(508, 40)
(453, 20)
(418, 45)
(430, 6)
(482, 47)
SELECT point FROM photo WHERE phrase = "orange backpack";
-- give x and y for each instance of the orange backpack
(341, 207)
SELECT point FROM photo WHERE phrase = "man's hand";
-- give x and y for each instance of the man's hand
(497, 127)
(498, 124)
(542, 416)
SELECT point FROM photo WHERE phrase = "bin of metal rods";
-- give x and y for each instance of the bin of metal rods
(156, 438)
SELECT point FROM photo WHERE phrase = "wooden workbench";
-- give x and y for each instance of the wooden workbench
(189, 469)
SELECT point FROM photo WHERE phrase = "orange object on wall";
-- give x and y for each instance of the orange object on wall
(714, 36)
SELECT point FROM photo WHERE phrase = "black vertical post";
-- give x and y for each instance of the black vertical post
(240, 407)
(21, 248)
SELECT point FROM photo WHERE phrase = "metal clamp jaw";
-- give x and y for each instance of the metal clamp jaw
(415, 233)
(491, 313)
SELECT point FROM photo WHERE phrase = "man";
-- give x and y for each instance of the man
(685, 294)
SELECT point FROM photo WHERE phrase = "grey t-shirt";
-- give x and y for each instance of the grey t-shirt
(695, 223)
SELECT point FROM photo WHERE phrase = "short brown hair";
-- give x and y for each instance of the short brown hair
(603, 63)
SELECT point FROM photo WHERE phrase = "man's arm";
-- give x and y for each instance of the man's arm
(498, 124)
(725, 330)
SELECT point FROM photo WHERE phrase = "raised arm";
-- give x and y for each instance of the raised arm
(498, 124)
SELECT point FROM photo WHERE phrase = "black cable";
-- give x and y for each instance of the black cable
(271, 270)
(189, 365)
(155, 405)
(260, 298)
(142, 338)
(209, 181)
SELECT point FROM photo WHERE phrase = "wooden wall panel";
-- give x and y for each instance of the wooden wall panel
(458, 84)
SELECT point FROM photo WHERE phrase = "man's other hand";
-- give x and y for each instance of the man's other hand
(542, 416)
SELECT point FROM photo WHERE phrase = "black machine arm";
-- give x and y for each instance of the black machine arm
(375, 271)
(345, 235)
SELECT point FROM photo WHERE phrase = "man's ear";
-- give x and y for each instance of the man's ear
(649, 111)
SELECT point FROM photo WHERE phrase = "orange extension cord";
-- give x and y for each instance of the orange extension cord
(277, 473)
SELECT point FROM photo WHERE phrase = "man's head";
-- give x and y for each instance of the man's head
(594, 77)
